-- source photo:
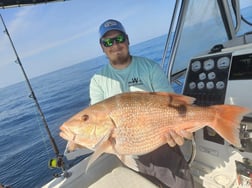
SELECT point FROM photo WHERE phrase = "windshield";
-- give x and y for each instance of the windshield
(246, 17)
(199, 33)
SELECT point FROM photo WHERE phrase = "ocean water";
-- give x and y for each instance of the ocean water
(24, 145)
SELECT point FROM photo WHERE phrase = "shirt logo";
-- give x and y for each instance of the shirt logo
(135, 81)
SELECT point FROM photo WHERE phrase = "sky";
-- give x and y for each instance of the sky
(48, 37)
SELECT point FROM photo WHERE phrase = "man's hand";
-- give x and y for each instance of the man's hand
(177, 138)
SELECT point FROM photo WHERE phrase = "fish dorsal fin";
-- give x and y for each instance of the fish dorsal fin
(173, 98)
(104, 145)
(177, 98)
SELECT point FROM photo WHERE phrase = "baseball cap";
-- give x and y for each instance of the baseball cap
(109, 25)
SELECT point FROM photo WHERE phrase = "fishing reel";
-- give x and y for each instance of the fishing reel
(56, 163)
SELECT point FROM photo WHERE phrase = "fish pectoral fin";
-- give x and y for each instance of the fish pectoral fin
(113, 116)
(102, 148)
(104, 138)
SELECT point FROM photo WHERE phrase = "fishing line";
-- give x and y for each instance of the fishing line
(42, 132)
(58, 162)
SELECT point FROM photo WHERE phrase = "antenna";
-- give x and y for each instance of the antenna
(57, 162)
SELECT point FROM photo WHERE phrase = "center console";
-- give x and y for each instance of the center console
(222, 78)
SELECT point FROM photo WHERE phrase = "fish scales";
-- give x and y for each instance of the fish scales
(142, 128)
(131, 138)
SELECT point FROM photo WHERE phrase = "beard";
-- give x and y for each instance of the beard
(120, 59)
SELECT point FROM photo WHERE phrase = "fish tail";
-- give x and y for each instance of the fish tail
(227, 121)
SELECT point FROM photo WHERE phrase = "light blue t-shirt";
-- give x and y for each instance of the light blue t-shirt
(142, 74)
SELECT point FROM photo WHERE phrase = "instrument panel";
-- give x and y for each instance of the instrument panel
(207, 79)
(215, 78)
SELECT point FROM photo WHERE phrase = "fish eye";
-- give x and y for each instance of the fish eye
(85, 117)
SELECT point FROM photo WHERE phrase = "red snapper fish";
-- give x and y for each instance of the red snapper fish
(137, 123)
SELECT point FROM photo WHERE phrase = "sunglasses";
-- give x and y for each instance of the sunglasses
(108, 42)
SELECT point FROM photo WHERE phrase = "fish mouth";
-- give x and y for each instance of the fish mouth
(67, 134)
(70, 136)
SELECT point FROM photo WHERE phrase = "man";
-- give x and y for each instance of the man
(125, 73)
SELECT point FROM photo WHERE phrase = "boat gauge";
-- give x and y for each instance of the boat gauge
(202, 76)
(220, 85)
(210, 85)
(211, 75)
(196, 65)
(192, 85)
(201, 85)
(208, 64)
(223, 63)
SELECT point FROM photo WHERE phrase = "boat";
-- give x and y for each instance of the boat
(219, 72)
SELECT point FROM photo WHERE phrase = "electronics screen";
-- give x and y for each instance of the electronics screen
(241, 68)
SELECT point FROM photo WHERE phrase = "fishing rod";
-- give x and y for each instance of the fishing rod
(58, 162)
